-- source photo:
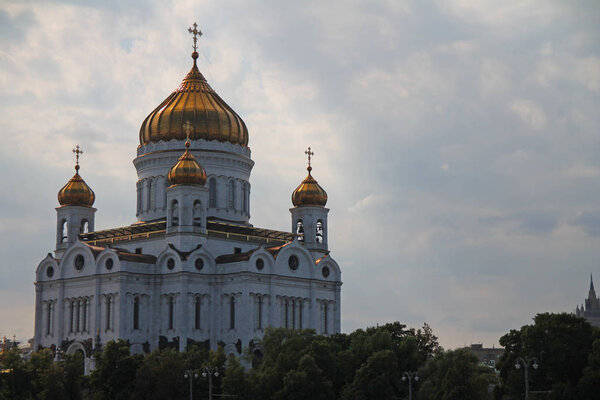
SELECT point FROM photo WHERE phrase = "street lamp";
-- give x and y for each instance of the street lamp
(189, 373)
(410, 375)
(526, 362)
(210, 371)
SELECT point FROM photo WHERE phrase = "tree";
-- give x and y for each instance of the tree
(306, 382)
(455, 375)
(235, 382)
(115, 372)
(561, 343)
(376, 379)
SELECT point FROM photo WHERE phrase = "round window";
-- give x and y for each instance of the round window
(293, 262)
(170, 263)
(325, 272)
(109, 263)
(79, 261)
(49, 272)
(260, 264)
(199, 263)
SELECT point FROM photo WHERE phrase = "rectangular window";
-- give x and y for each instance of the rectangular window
(136, 313)
(231, 312)
(260, 311)
(299, 314)
(293, 314)
(84, 316)
(197, 313)
(287, 314)
(49, 318)
(171, 306)
(325, 318)
(71, 319)
(108, 313)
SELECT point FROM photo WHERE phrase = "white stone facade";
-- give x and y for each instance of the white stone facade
(189, 276)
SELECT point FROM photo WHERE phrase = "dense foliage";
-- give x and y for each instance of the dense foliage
(566, 349)
(297, 365)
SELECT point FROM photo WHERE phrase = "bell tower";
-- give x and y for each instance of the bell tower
(309, 215)
(75, 215)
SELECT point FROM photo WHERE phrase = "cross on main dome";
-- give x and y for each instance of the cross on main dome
(195, 101)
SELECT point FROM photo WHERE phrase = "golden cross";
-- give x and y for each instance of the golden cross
(188, 129)
(77, 152)
(196, 32)
(309, 154)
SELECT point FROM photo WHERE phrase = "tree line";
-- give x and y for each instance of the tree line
(296, 365)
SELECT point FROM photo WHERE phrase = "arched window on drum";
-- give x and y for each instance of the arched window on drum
(174, 213)
(212, 192)
(319, 232)
(197, 211)
(300, 230)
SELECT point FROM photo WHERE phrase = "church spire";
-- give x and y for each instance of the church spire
(592, 292)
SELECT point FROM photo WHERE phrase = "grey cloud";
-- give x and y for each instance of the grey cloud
(589, 221)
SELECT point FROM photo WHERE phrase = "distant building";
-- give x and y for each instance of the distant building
(591, 310)
(485, 355)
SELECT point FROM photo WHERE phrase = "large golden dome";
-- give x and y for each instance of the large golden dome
(309, 193)
(187, 171)
(76, 192)
(195, 101)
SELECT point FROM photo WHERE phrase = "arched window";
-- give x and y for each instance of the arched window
(48, 317)
(231, 196)
(108, 313)
(84, 305)
(245, 197)
(258, 312)
(300, 230)
(175, 213)
(197, 213)
(300, 314)
(325, 318)
(286, 313)
(319, 233)
(64, 230)
(197, 312)
(150, 191)
(136, 313)
(171, 310)
(231, 312)
(139, 196)
(152, 194)
(85, 226)
(212, 192)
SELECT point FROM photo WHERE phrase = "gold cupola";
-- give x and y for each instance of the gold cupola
(195, 101)
(309, 192)
(76, 192)
(187, 171)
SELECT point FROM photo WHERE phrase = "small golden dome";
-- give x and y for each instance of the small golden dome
(196, 101)
(187, 171)
(76, 192)
(309, 193)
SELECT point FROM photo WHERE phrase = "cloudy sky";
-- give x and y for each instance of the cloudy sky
(459, 141)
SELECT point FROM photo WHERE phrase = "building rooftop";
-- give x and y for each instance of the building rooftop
(216, 229)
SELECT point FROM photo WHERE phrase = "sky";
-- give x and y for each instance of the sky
(458, 141)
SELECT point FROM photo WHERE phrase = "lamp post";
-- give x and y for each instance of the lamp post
(526, 362)
(190, 374)
(410, 375)
(210, 371)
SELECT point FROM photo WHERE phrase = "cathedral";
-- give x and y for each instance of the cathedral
(192, 269)
(591, 310)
